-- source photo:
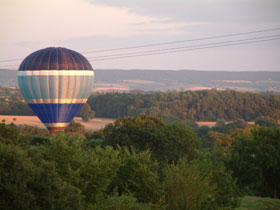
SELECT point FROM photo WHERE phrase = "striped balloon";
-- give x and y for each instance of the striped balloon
(55, 82)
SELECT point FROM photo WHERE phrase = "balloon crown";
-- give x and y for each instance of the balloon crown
(55, 58)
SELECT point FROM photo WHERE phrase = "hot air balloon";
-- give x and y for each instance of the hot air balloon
(55, 82)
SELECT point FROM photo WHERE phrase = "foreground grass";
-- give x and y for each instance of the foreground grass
(258, 203)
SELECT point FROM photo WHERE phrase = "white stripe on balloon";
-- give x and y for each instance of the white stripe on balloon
(57, 101)
(56, 73)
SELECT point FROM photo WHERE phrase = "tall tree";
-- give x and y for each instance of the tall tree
(256, 160)
(86, 113)
(166, 142)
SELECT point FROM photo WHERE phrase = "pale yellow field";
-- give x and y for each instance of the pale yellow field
(206, 123)
(95, 124)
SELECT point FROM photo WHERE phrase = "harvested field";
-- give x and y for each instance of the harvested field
(212, 124)
(95, 124)
(208, 124)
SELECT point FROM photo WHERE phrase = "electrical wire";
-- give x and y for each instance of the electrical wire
(189, 48)
(181, 41)
(184, 47)
(167, 43)
(192, 49)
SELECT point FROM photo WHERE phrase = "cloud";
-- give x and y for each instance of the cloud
(43, 21)
(218, 11)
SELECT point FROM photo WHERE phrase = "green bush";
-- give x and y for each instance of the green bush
(187, 187)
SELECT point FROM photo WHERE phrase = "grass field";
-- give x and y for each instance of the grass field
(258, 203)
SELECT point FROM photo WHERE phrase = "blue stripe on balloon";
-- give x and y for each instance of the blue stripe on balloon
(54, 113)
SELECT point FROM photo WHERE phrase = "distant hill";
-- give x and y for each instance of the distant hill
(148, 80)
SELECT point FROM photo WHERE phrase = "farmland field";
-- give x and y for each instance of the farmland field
(95, 124)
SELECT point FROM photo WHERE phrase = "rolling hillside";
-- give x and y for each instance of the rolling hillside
(149, 80)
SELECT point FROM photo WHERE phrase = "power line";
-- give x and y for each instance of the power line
(174, 51)
(17, 59)
(184, 47)
(8, 66)
(189, 48)
(181, 41)
(167, 43)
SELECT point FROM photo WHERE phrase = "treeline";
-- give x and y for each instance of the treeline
(208, 105)
(15, 107)
(190, 106)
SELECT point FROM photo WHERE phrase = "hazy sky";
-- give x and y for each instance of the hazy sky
(87, 25)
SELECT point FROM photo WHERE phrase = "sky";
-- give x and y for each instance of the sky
(94, 25)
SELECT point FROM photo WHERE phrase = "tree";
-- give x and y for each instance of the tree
(99, 172)
(141, 132)
(166, 142)
(207, 105)
(255, 161)
(239, 123)
(86, 113)
(226, 139)
(90, 171)
(137, 176)
(220, 123)
(34, 131)
(11, 134)
(227, 193)
(75, 129)
(266, 121)
(29, 184)
(187, 187)
(123, 202)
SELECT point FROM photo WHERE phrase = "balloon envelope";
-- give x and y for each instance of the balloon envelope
(55, 82)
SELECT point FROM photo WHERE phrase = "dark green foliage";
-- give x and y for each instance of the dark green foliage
(220, 123)
(86, 113)
(15, 107)
(208, 105)
(266, 121)
(10, 134)
(136, 176)
(150, 165)
(239, 123)
(187, 187)
(123, 202)
(203, 134)
(15, 174)
(95, 142)
(75, 129)
(170, 119)
(26, 185)
(256, 160)
(96, 172)
(34, 131)
(226, 195)
(166, 142)
(181, 142)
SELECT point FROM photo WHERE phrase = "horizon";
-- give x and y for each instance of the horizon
(198, 70)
